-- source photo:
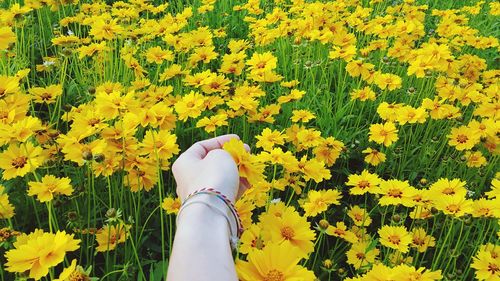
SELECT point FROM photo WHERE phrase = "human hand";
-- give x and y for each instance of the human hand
(206, 164)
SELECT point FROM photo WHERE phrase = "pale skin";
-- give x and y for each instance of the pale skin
(201, 249)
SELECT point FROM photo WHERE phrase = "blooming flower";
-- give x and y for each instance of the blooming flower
(395, 237)
(38, 251)
(50, 186)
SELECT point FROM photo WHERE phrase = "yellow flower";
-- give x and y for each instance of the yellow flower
(7, 37)
(105, 30)
(384, 134)
(318, 201)
(37, 252)
(73, 273)
(328, 150)
(421, 240)
(454, 205)
(191, 105)
(251, 240)
(161, 145)
(340, 230)
(171, 205)
(486, 208)
(363, 183)
(302, 116)
(363, 94)
(274, 262)
(486, 265)
(8, 85)
(447, 187)
(373, 156)
(313, 169)
(495, 189)
(158, 55)
(110, 236)
(6, 208)
(475, 159)
(388, 81)
(18, 160)
(290, 227)
(49, 187)
(249, 166)
(395, 237)
(395, 192)
(269, 138)
(409, 273)
(262, 62)
(463, 138)
(359, 216)
(361, 254)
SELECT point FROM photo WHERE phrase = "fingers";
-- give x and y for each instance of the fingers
(200, 149)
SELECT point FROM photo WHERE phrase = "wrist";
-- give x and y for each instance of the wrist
(214, 205)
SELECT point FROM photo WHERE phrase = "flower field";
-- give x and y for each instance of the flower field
(374, 129)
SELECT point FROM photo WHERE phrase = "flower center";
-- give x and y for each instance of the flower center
(363, 184)
(287, 233)
(395, 193)
(448, 191)
(394, 239)
(19, 162)
(360, 256)
(274, 275)
(462, 138)
(493, 268)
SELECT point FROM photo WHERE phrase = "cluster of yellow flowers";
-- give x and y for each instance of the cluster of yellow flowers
(122, 87)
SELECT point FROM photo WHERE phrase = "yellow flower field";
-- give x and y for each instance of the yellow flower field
(374, 129)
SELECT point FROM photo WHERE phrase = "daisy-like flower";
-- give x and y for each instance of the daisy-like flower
(409, 273)
(269, 138)
(49, 187)
(395, 237)
(47, 94)
(302, 116)
(6, 208)
(359, 216)
(340, 230)
(395, 192)
(38, 251)
(7, 37)
(446, 187)
(487, 265)
(190, 106)
(289, 227)
(318, 201)
(455, 205)
(328, 150)
(385, 134)
(18, 160)
(274, 262)
(363, 183)
(171, 205)
(110, 236)
(373, 156)
(474, 159)
(361, 254)
(421, 241)
(463, 138)
(74, 272)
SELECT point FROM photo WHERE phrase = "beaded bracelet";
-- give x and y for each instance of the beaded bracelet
(234, 228)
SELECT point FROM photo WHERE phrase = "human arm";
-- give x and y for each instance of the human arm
(201, 249)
